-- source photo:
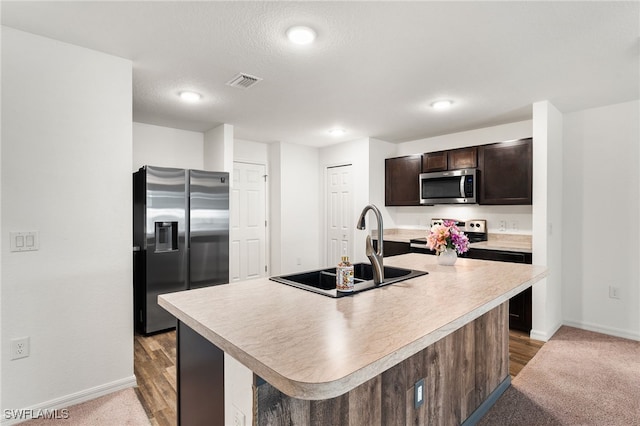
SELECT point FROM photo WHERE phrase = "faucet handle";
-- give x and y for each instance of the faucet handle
(369, 246)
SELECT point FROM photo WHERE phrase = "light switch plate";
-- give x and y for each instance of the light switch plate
(24, 241)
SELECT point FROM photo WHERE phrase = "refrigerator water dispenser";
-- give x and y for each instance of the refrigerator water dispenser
(166, 236)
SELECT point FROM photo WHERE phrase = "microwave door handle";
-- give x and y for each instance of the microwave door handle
(462, 187)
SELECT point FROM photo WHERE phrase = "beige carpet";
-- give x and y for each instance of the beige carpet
(118, 408)
(577, 378)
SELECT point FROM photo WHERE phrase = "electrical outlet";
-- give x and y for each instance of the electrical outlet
(238, 417)
(418, 393)
(19, 348)
(503, 225)
(614, 292)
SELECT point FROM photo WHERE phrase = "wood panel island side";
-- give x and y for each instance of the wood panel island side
(353, 360)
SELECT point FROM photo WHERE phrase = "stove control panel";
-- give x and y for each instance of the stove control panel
(476, 225)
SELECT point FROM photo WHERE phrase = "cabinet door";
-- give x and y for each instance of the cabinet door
(520, 311)
(463, 158)
(434, 161)
(520, 305)
(393, 248)
(499, 255)
(401, 181)
(506, 172)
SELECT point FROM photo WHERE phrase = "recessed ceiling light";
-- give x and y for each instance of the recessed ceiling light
(190, 96)
(301, 35)
(444, 104)
(337, 132)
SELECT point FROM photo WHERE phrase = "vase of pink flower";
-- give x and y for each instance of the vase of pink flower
(447, 241)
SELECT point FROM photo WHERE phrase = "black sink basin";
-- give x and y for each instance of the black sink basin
(323, 281)
(364, 271)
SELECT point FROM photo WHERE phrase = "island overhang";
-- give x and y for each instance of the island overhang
(313, 347)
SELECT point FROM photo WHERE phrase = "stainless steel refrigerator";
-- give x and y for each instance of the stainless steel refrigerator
(180, 237)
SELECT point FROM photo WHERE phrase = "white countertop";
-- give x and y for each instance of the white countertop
(314, 347)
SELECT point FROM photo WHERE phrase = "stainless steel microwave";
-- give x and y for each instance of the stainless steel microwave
(452, 187)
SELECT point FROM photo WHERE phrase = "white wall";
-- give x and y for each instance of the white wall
(250, 152)
(601, 214)
(295, 208)
(518, 218)
(166, 147)
(2, 345)
(547, 218)
(555, 227)
(275, 207)
(378, 151)
(505, 132)
(66, 173)
(212, 150)
(218, 149)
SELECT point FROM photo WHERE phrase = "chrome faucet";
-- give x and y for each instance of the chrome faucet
(374, 257)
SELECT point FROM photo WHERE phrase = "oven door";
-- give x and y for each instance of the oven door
(454, 187)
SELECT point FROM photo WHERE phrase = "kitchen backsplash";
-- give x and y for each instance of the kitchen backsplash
(500, 219)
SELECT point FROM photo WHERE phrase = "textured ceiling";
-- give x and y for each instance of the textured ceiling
(374, 69)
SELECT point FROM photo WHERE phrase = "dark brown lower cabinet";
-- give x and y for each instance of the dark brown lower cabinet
(200, 379)
(393, 248)
(521, 305)
(463, 372)
(500, 255)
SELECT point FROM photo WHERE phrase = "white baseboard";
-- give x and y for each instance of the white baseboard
(77, 398)
(538, 335)
(626, 334)
(544, 335)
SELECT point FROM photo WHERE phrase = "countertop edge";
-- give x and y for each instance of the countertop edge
(361, 376)
(326, 390)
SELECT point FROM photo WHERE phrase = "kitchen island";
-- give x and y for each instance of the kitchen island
(356, 359)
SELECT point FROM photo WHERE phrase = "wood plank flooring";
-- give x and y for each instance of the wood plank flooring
(155, 370)
(521, 350)
(154, 367)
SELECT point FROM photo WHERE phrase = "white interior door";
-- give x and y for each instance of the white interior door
(248, 226)
(340, 220)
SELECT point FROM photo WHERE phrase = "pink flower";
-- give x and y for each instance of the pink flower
(447, 236)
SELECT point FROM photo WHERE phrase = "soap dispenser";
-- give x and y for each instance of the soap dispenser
(344, 276)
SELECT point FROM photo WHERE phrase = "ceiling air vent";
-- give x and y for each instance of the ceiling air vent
(243, 81)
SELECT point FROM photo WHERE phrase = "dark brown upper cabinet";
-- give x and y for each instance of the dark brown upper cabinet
(506, 172)
(435, 161)
(401, 180)
(454, 159)
(463, 158)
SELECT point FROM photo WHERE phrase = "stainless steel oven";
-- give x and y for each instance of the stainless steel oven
(452, 187)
